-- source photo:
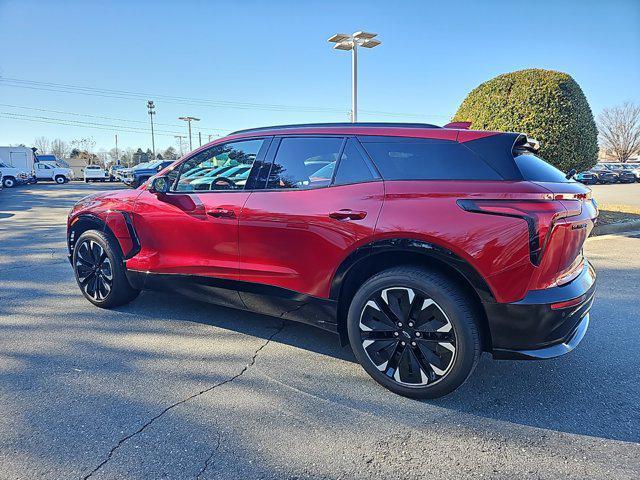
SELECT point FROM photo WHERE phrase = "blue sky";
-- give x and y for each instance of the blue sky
(232, 62)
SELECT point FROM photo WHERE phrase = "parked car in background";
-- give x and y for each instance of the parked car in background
(627, 173)
(588, 177)
(95, 173)
(143, 172)
(604, 174)
(12, 176)
(421, 246)
(47, 170)
(113, 172)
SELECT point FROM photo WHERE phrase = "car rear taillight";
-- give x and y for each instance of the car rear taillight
(539, 215)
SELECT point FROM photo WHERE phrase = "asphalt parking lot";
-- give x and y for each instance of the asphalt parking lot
(617, 194)
(170, 388)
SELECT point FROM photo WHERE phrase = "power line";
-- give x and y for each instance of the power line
(127, 95)
(88, 115)
(76, 123)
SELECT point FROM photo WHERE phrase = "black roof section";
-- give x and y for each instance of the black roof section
(338, 124)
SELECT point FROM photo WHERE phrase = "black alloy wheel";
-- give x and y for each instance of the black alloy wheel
(94, 270)
(100, 270)
(414, 331)
(407, 336)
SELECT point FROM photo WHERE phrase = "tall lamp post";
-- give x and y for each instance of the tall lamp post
(152, 112)
(352, 42)
(189, 120)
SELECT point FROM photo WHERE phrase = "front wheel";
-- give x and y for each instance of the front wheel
(60, 180)
(414, 332)
(8, 182)
(100, 270)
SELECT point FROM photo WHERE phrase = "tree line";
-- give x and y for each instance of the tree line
(85, 148)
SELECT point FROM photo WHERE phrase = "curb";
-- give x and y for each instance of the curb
(616, 228)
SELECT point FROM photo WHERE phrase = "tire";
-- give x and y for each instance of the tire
(59, 179)
(8, 182)
(425, 353)
(100, 271)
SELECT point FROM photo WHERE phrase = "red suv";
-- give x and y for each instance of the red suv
(421, 246)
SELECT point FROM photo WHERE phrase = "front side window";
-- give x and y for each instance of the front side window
(222, 167)
(400, 159)
(304, 162)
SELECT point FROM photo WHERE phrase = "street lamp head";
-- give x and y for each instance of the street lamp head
(339, 37)
(343, 46)
(364, 35)
(370, 43)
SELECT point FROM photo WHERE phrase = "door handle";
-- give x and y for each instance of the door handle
(221, 213)
(346, 214)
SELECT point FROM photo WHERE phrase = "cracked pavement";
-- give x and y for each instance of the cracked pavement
(170, 388)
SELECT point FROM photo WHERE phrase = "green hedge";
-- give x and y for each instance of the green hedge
(546, 105)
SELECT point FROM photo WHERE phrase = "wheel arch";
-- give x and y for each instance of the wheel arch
(116, 223)
(377, 256)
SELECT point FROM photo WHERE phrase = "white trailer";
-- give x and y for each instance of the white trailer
(17, 165)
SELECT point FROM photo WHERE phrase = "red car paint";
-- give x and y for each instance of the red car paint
(298, 239)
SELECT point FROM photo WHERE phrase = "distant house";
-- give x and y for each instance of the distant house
(77, 165)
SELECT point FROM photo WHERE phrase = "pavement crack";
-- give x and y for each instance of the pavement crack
(209, 458)
(149, 422)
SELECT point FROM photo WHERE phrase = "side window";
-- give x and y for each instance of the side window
(222, 167)
(352, 167)
(427, 160)
(304, 162)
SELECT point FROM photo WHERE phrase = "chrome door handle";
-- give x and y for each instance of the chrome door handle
(346, 214)
(221, 213)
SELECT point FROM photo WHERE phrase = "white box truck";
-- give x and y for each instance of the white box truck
(16, 165)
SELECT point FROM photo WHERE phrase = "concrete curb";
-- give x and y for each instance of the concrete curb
(616, 228)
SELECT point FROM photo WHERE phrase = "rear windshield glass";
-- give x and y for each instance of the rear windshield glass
(427, 160)
(537, 170)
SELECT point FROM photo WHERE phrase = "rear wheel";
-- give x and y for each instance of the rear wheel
(100, 271)
(414, 332)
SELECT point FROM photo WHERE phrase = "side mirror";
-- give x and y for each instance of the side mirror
(571, 174)
(159, 185)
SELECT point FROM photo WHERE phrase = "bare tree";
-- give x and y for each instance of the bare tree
(619, 129)
(42, 144)
(59, 148)
(85, 144)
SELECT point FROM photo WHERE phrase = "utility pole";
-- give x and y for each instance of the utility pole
(180, 137)
(200, 138)
(209, 136)
(352, 42)
(189, 120)
(152, 112)
(117, 155)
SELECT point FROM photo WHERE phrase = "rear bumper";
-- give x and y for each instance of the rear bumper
(532, 329)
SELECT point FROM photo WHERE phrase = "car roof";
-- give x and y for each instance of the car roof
(413, 130)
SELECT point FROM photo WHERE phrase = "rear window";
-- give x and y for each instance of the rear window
(537, 170)
(424, 159)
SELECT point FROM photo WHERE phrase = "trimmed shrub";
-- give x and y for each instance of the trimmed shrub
(546, 105)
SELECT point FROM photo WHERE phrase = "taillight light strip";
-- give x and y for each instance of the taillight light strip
(518, 209)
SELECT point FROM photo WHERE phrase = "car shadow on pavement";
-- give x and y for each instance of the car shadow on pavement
(588, 392)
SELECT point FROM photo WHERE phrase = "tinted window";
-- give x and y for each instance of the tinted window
(537, 170)
(223, 167)
(352, 167)
(427, 160)
(304, 162)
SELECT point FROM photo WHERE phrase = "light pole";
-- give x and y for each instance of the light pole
(352, 42)
(152, 112)
(180, 137)
(189, 120)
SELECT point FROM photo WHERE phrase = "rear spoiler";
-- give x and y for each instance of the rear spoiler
(526, 143)
(458, 125)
